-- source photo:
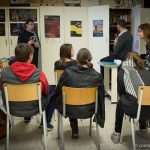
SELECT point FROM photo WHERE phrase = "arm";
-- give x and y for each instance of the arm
(119, 44)
(120, 83)
(44, 84)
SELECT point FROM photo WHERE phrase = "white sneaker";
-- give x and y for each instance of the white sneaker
(115, 137)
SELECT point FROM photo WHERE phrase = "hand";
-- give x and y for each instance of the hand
(36, 44)
(115, 41)
(30, 42)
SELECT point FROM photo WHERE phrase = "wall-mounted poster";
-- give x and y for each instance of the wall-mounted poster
(76, 28)
(19, 15)
(52, 26)
(16, 28)
(97, 28)
(2, 15)
(2, 29)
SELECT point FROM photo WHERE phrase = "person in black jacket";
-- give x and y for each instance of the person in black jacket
(131, 75)
(30, 37)
(81, 75)
(66, 54)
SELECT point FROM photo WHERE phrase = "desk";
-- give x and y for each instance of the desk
(114, 71)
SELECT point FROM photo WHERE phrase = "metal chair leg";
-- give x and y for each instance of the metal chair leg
(58, 125)
(7, 138)
(62, 133)
(133, 134)
(45, 130)
(97, 136)
(90, 129)
(121, 136)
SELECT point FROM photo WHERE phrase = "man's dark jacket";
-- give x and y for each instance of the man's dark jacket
(77, 76)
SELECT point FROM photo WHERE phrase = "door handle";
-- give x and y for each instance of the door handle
(11, 41)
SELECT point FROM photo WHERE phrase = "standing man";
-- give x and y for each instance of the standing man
(30, 37)
(122, 43)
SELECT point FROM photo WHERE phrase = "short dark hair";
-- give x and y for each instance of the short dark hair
(29, 20)
(23, 51)
(122, 23)
(84, 57)
(65, 51)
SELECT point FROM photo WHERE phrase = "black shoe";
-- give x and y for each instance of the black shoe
(75, 135)
(27, 119)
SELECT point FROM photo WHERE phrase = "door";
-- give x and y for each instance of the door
(52, 36)
(98, 32)
(4, 45)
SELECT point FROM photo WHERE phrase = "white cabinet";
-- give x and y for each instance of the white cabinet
(4, 44)
(13, 23)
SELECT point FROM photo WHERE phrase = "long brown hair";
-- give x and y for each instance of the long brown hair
(139, 63)
(146, 30)
(84, 57)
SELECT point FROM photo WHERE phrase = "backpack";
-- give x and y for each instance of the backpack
(3, 118)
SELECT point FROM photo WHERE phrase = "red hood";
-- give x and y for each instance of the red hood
(23, 70)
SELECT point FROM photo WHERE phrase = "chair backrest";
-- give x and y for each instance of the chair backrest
(58, 74)
(145, 91)
(79, 96)
(143, 98)
(3, 64)
(22, 93)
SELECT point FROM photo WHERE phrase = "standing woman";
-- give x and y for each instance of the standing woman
(144, 33)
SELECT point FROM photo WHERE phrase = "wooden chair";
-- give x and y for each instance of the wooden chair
(143, 100)
(78, 96)
(58, 74)
(24, 93)
(3, 64)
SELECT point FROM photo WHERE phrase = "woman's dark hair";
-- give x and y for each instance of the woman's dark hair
(122, 23)
(139, 63)
(23, 51)
(146, 30)
(84, 57)
(65, 51)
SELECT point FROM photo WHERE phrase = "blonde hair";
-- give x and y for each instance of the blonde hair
(139, 63)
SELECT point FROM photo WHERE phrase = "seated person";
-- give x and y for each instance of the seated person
(21, 72)
(66, 52)
(131, 75)
(81, 75)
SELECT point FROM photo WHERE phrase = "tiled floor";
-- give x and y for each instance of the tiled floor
(29, 136)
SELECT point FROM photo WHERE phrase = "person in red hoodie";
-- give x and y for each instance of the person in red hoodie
(23, 72)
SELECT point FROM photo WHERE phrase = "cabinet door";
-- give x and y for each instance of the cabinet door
(4, 45)
(17, 18)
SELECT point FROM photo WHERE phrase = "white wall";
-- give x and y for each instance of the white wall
(74, 14)
(50, 47)
(99, 46)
